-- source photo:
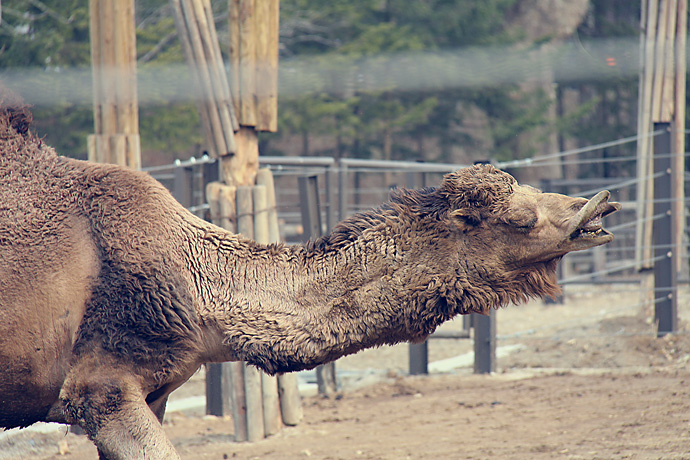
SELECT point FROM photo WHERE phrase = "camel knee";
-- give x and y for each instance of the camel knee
(111, 408)
(92, 403)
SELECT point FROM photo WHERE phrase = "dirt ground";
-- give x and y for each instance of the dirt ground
(585, 380)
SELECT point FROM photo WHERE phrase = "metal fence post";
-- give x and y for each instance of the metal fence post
(330, 197)
(484, 342)
(665, 274)
(310, 205)
(218, 399)
(342, 190)
(418, 353)
(311, 221)
(419, 358)
(183, 189)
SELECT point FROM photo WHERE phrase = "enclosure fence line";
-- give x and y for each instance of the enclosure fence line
(580, 321)
(286, 166)
(601, 160)
(536, 160)
(608, 271)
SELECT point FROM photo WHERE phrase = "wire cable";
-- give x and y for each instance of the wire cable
(532, 161)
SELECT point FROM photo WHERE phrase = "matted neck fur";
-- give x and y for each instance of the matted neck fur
(478, 241)
(112, 294)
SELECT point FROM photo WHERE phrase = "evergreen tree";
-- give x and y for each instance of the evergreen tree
(392, 123)
(46, 45)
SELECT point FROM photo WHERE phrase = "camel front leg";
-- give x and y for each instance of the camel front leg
(135, 434)
(111, 408)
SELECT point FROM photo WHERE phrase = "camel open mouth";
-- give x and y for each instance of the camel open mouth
(587, 222)
(591, 229)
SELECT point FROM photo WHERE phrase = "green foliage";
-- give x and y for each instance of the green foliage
(332, 110)
(510, 116)
(381, 123)
(171, 129)
(51, 35)
(609, 107)
(455, 23)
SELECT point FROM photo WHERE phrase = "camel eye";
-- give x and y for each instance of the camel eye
(522, 222)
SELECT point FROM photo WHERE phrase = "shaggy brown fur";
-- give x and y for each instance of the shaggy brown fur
(112, 295)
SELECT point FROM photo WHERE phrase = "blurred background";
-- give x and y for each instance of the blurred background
(454, 81)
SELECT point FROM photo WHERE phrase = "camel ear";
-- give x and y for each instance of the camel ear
(465, 219)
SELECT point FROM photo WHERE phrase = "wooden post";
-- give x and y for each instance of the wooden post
(228, 208)
(662, 100)
(252, 378)
(678, 165)
(267, 66)
(311, 221)
(233, 385)
(290, 400)
(229, 112)
(255, 412)
(271, 404)
(113, 63)
(253, 38)
(260, 199)
(241, 168)
(644, 126)
(245, 210)
(269, 384)
(239, 400)
(225, 381)
(265, 178)
(113, 57)
(288, 388)
(199, 41)
(247, 50)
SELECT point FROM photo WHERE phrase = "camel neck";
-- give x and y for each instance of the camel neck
(289, 308)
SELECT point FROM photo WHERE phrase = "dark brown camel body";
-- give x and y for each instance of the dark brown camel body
(112, 295)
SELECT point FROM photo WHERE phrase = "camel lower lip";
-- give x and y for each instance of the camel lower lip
(589, 234)
(592, 212)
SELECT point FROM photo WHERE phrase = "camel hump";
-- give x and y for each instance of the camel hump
(14, 112)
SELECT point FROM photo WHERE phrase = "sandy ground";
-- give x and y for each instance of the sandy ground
(586, 380)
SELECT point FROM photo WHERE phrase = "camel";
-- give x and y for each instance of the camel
(112, 294)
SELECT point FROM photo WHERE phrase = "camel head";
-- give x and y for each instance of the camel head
(523, 225)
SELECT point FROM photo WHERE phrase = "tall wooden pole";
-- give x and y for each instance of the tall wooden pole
(644, 125)
(662, 100)
(113, 60)
(678, 147)
(253, 32)
(197, 32)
